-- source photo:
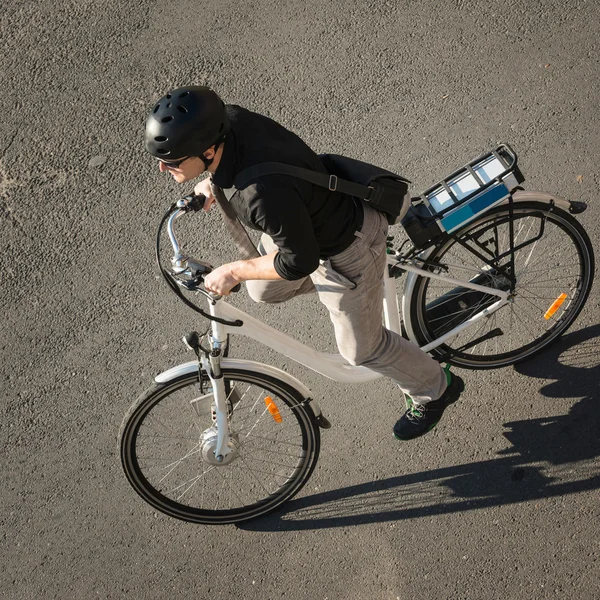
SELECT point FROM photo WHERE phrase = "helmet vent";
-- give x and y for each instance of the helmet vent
(162, 151)
(160, 138)
(168, 96)
(166, 119)
(169, 105)
(182, 109)
(184, 94)
(156, 108)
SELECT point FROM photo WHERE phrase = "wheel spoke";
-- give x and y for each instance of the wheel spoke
(552, 261)
(268, 460)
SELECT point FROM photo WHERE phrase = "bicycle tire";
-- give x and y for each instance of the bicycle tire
(560, 261)
(162, 452)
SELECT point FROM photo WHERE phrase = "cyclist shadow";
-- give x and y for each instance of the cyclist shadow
(566, 444)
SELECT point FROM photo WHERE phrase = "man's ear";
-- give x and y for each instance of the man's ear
(210, 153)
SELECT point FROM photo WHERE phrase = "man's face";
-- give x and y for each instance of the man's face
(189, 169)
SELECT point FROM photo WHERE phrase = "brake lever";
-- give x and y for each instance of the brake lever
(193, 285)
(195, 271)
(199, 269)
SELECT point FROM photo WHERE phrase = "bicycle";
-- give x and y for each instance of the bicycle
(223, 440)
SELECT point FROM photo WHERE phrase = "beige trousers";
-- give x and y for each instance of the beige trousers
(350, 285)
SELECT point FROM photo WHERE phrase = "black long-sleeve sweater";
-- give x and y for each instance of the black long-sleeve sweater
(307, 222)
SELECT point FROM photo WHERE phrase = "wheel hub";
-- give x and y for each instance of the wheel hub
(208, 445)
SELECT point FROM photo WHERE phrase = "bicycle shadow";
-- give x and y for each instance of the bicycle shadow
(566, 444)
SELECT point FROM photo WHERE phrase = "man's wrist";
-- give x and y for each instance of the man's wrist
(236, 270)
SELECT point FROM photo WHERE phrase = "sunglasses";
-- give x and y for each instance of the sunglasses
(172, 164)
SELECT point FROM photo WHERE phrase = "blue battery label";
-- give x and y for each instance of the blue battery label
(471, 209)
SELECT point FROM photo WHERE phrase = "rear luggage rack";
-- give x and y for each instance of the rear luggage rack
(472, 189)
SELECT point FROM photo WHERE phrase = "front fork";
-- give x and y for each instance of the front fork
(211, 365)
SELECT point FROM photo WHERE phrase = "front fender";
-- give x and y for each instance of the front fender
(245, 365)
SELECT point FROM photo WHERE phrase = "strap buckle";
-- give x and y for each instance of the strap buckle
(333, 181)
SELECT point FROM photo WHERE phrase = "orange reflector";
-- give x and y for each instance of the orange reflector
(555, 306)
(271, 406)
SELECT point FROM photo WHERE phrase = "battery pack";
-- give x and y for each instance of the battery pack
(478, 186)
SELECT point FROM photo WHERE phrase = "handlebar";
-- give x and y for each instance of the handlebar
(186, 270)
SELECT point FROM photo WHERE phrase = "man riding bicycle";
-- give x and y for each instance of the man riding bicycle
(314, 239)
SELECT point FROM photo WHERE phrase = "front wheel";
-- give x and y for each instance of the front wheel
(169, 435)
(553, 270)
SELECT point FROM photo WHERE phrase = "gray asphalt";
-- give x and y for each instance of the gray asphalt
(499, 502)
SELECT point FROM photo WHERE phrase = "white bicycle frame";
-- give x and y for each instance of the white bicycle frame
(327, 364)
(332, 366)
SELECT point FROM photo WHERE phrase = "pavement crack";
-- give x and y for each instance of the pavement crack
(5, 209)
(10, 143)
(7, 213)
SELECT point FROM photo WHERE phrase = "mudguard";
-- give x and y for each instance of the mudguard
(245, 365)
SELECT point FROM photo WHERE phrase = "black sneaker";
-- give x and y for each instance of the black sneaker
(419, 419)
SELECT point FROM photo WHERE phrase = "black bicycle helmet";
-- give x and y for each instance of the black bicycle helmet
(186, 122)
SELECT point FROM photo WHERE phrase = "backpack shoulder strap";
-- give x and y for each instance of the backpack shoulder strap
(331, 182)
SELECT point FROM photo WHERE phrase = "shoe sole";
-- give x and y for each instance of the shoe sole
(408, 439)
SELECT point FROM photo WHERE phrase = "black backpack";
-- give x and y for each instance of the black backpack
(383, 190)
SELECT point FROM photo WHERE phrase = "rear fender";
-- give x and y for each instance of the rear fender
(543, 197)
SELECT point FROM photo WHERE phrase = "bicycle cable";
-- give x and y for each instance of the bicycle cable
(172, 283)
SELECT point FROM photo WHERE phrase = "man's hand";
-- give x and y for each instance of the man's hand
(221, 280)
(226, 277)
(204, 188)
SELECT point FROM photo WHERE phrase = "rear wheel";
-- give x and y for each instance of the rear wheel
(553, 267)
(169, 435)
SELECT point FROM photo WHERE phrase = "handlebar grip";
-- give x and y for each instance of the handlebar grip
(200, 200)
(236, 288)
